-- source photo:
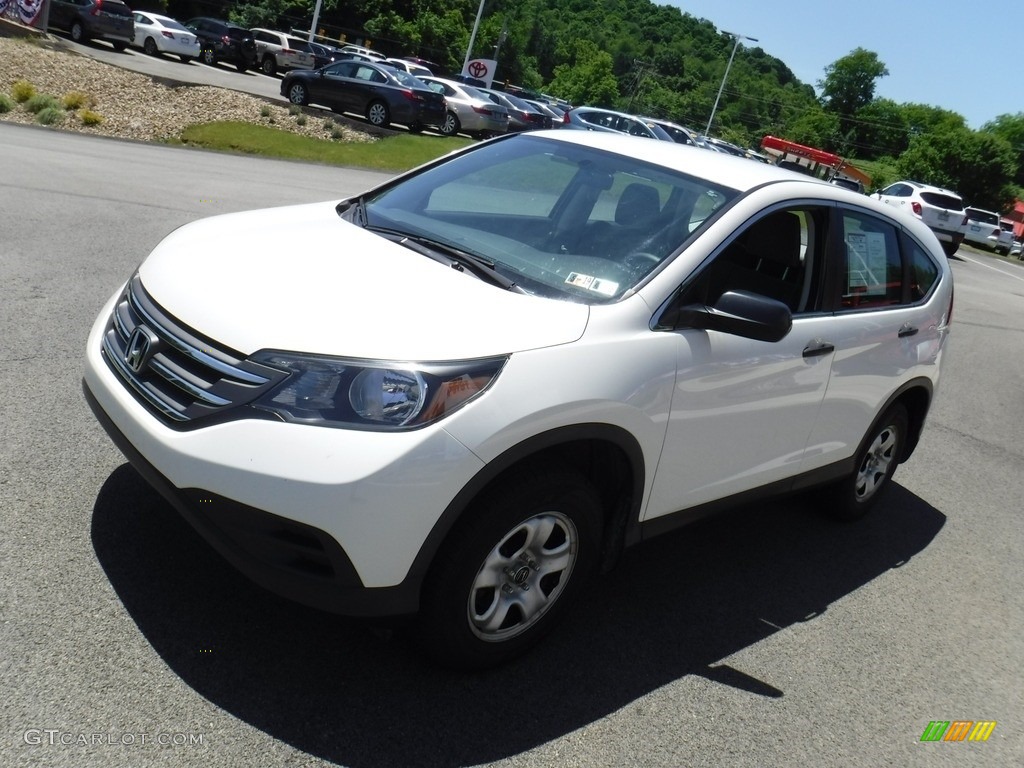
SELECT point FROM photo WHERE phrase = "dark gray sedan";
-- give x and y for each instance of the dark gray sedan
(380, 93)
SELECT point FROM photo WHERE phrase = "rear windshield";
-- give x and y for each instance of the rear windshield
(983, 217)
(114, 8)
(949, 202)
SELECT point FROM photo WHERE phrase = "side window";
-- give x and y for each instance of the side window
(778, 256)
(923, 272)
(873, 273)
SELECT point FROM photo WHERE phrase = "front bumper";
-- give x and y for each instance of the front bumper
(333, 518)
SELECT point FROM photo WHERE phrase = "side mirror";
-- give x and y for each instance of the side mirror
(742, 314)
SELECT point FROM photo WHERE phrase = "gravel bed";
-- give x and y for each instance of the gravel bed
(134, 106)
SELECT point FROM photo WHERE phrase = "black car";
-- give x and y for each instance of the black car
(382, 93)
(325, 54)
(223, 41)
(109, 20)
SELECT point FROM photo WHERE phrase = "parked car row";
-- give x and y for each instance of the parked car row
(952, 221)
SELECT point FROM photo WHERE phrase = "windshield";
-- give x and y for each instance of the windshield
(560, 220)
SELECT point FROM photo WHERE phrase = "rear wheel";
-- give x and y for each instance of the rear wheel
(150, 47)
(416, 128)
(377, 113)
(511, 569)
(949, 248)
(208, 56)
(876, 461)
(78, 32)
(241, 67)
(269, 65)
(451, 125)
(185, 59)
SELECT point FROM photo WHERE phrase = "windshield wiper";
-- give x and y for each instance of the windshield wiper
(447, 254)
(353, 211)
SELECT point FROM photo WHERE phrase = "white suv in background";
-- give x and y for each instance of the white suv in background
(280, 52)
(983, 229)
(942, 210)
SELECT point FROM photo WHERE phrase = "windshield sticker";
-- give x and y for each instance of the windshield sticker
(591, 283)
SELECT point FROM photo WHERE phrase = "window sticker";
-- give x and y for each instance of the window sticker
(591, 283)
(867, 267)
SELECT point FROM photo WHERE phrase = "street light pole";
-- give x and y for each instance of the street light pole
(735, 45)
(472, 37)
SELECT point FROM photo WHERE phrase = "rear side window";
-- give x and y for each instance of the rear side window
(923, 272)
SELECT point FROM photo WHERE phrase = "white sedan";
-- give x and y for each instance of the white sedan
(156, 34)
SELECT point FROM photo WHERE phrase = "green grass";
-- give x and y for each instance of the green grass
(395, 153)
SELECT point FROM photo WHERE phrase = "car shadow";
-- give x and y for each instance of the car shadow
(362, 696)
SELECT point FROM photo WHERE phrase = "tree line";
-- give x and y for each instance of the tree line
(657, 60)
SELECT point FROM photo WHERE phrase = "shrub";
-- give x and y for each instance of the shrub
(42, 101)
(337, 133)
(76, 100)
(300, 120)
(6, 103)
(52, 115)
(22, 91)
(265, 111)
(88, 117)
(293, 109)
(328, 124)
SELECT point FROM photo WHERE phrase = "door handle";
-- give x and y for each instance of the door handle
(817, 348)
(907, 330)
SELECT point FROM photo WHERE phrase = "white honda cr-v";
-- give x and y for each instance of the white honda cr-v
(465, 391)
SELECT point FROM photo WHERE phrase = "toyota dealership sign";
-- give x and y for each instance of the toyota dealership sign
(481, 69)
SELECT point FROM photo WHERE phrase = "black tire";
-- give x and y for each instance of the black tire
(208, 56)
(877, 458)
(78, 32)
(511, 569)
(949, 248)
(149, 46)
(185, 59)
(298, 94)
(268, 66)
(451, 125)
(378, 114)
(243, 68)
(416, 127)
(119, 45)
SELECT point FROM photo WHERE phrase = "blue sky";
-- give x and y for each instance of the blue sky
(961, 56)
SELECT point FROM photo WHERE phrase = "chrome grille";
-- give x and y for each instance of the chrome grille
(175, 373)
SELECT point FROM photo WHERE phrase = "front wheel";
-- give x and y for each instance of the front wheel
(298, 94)
(511, 570)
(208, 56)
(78, 32)
(378, 115)
(949, 248)
(877, 458)
(120, 46)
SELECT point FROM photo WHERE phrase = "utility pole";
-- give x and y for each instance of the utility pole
(736, 45)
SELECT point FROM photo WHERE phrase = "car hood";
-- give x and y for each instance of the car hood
(301, 279)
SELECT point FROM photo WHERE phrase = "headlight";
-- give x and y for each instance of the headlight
(335, 392)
